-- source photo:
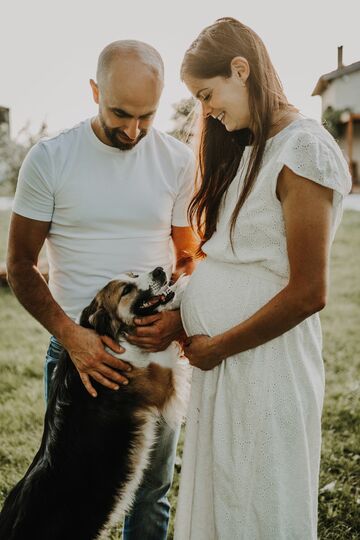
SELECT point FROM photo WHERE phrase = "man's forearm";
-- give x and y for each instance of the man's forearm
(33, 293)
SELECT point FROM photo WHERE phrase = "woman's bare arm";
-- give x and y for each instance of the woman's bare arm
(307, 210)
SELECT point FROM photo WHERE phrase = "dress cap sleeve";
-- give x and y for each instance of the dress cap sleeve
(317, 156)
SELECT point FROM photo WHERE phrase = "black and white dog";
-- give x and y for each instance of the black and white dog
(94, 451)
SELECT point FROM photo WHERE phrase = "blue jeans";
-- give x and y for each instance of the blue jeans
(149, 516)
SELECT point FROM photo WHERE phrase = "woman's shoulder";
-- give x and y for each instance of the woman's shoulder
(306, 147)
(304, 130)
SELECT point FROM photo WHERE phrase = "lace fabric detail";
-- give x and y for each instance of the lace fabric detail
(259, 236)
(317, 157)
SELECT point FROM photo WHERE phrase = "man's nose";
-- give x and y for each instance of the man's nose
(132, 130)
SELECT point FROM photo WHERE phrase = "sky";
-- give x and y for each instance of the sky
(49, 50)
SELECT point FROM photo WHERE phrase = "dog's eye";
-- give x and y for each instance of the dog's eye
(128, 288)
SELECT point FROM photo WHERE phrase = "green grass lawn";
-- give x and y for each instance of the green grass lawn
(4, 222)
(23, 343)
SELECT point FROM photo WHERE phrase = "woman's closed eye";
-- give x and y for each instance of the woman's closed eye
(206, 97)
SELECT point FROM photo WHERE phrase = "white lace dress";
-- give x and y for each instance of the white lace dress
(252, 444)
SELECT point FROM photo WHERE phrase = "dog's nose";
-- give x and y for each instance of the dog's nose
(158, 273)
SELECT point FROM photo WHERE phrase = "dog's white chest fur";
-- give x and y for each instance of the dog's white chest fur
(141, 359)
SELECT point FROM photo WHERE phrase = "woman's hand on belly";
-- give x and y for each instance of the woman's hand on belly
(202, 352)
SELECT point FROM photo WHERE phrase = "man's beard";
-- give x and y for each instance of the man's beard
(112, 135)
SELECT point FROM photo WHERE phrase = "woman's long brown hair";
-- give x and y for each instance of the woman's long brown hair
(220, 151)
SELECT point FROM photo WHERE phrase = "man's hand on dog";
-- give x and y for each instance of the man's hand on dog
(154, 333)
(86, 350)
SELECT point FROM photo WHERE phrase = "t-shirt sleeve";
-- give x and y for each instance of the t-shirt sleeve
(183, 198)
(318, 158)
(34, 197)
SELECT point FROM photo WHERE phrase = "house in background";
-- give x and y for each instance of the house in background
(340, 98)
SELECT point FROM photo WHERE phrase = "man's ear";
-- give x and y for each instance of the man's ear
(95, 91)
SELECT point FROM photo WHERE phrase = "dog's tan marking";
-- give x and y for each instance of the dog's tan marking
(154, 383)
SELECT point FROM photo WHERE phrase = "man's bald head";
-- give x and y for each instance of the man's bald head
(131, 54)
(130, 79)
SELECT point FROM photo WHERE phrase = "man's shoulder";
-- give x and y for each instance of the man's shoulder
(167, 143)
(65, 137)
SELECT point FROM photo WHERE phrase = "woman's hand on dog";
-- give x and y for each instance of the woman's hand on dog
(86, 350)
(201, 351)
(154, 333)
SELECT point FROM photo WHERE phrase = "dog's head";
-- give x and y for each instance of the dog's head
(121, 300)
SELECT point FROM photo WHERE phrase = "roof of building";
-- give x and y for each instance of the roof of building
(325, 80)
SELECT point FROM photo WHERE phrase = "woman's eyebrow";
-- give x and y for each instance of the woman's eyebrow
(199, 92)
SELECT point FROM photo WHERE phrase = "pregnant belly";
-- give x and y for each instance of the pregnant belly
(221, 295)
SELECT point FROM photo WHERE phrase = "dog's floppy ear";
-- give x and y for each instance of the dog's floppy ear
(86, 314)
(101, 322)
(96, 318)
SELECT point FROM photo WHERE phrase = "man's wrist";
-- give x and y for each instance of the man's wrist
(179, 321)
(180, 334)
(66, 331)
(181, 337)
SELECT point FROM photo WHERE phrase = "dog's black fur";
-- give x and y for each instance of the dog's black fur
(74, 481)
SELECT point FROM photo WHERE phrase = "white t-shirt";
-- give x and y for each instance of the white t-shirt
(111, 211)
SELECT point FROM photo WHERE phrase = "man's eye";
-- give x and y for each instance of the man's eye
(207, 97)
(128, 288)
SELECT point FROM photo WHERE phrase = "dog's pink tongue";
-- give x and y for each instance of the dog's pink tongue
(155, 299)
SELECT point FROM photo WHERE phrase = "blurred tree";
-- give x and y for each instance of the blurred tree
(13, 152)
(185, 119)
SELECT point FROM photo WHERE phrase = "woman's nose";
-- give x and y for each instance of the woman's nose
(206, 110)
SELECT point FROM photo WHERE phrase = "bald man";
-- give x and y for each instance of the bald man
(109, 195)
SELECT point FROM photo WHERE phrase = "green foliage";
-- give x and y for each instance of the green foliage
(4, 220)
(332, 121)
(22, 405)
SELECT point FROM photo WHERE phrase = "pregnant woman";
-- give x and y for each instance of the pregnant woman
(268, 202)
